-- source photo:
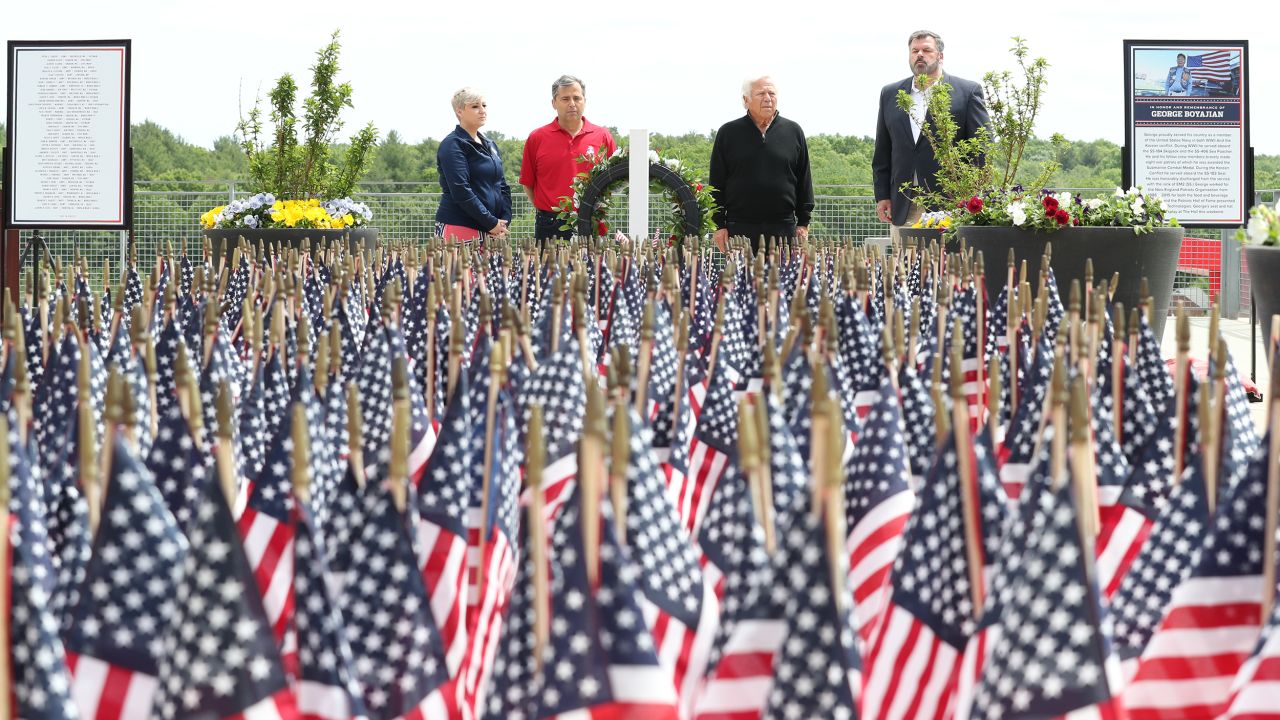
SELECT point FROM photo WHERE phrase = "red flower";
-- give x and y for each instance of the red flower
(601, 227)
(697, 187)
(1062, 217)
(1050, 204)
(974, 205)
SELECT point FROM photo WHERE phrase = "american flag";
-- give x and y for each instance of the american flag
(219, 656)
(558, 386)
(444, 496)
(399, 657)
(1216, 65)
(167, 342)
(817, 672)
(878, 501)
(326, 685)
(680, 609)
(1214, 617)
(1124, 534)
(1253, 693)
(1052, 655)
(516, 681)
(1024, 428)
(373, 379)
(917, 413)
(498, 550)
(752, 618)
(710, 451)
(1172, 550)
(267, 532)
(67, 520)
(601, 661)
(39, 678)
(114, 640)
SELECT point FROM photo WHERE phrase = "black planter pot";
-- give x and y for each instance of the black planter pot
(224, 241)
(1264, 283)
(1113, 249)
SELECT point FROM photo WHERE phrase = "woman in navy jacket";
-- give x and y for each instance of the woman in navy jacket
(476, 199)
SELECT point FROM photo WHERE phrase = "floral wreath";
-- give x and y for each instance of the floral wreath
(673, 226)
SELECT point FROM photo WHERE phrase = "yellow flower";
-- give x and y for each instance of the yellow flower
(945, 222)
(208, 220)
(347, 220)
(918, 224)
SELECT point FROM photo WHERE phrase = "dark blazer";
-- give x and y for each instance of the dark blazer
(474, 192)
(898, 157)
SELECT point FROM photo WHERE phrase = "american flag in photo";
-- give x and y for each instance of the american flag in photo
(115, 637)
(1052, 655)
(878, 502)
(1214, 617)
(39, 679)
(601, 660)
(817, 671)
(220, 657)
(444, 496)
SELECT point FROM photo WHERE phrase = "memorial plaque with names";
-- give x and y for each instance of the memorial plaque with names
(1187, 127)
(68, 135)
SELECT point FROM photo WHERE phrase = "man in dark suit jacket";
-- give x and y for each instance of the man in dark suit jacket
(903, 153)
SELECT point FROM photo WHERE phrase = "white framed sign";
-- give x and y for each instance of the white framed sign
(68, 156)
(1187, 127)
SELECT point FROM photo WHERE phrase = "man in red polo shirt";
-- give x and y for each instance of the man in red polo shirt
(551, 154)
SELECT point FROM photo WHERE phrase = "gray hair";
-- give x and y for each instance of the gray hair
(466, 96)
(751, 81)
(921, 34)
(565, 81)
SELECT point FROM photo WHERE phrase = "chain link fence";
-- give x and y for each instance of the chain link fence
(1208, 267)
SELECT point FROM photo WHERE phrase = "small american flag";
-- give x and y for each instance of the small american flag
(1253, 693)
(39, 679)
(1216, 65)
(1213, 619)
(220, 658)
(601, 660)
(817, 672)
(878, 501)
(1051, 655)
(114, 641)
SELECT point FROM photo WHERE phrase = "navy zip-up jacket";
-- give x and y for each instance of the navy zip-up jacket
(476, 194)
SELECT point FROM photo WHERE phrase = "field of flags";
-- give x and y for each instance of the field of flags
(608, 480)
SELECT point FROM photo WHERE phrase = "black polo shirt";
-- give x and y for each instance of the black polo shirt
(761, 178)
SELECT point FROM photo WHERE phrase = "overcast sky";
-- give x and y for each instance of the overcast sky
(669, 66)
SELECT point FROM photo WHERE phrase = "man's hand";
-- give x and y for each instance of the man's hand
(884, 211)
(802, 232)
(722, 239)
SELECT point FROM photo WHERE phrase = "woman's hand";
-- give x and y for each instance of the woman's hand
(498, 230)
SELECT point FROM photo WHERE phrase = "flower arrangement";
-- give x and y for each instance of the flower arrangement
(1047, 211)
(674, 226)
(936, 220)
(265, 210)
(298, 184)
(1263, 227)
(977, 180)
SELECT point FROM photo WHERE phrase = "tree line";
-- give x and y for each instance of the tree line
(165, 161)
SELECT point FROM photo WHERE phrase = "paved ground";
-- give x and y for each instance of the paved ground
(1236, 333)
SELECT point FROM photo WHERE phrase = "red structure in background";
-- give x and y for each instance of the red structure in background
(1202, 257)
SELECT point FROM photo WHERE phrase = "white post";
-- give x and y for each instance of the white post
(638, 191)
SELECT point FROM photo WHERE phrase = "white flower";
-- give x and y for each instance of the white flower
(1257, 229)
(1094, 203)
(616, 152)
(1017, 212)
(653, 156)
(1137, 206)
(591, 151)
(1064, 198)
(673, 163)
(1160, 204)
(1133, 190)
(1119, 192)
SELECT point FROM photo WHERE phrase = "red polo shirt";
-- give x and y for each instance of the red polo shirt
(551, 159)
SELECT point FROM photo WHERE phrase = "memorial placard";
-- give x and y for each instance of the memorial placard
(1187, 127)
(68, 135)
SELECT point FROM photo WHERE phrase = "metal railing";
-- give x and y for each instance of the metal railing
(406, 212)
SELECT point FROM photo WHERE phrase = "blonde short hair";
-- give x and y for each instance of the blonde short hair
(466, 96)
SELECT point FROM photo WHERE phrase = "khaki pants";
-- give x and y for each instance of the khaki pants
(913, 214)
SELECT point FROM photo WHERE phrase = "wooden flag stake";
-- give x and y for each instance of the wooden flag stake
(993, 399)
(833, 504)
(497, 363)
(1117, 370)
(299, 474)
(1182, 368)
(355, 434)
(1084, 474)
(1217, 414)
(590, 478)
(223, 451)
(398, 471)
(1058, 412)
(644, 361)
(968, 488)
(749, 457)
(535, 461)
(90, 481)
(620, 460)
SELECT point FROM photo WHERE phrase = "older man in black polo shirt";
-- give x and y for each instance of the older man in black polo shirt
(760, 171)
